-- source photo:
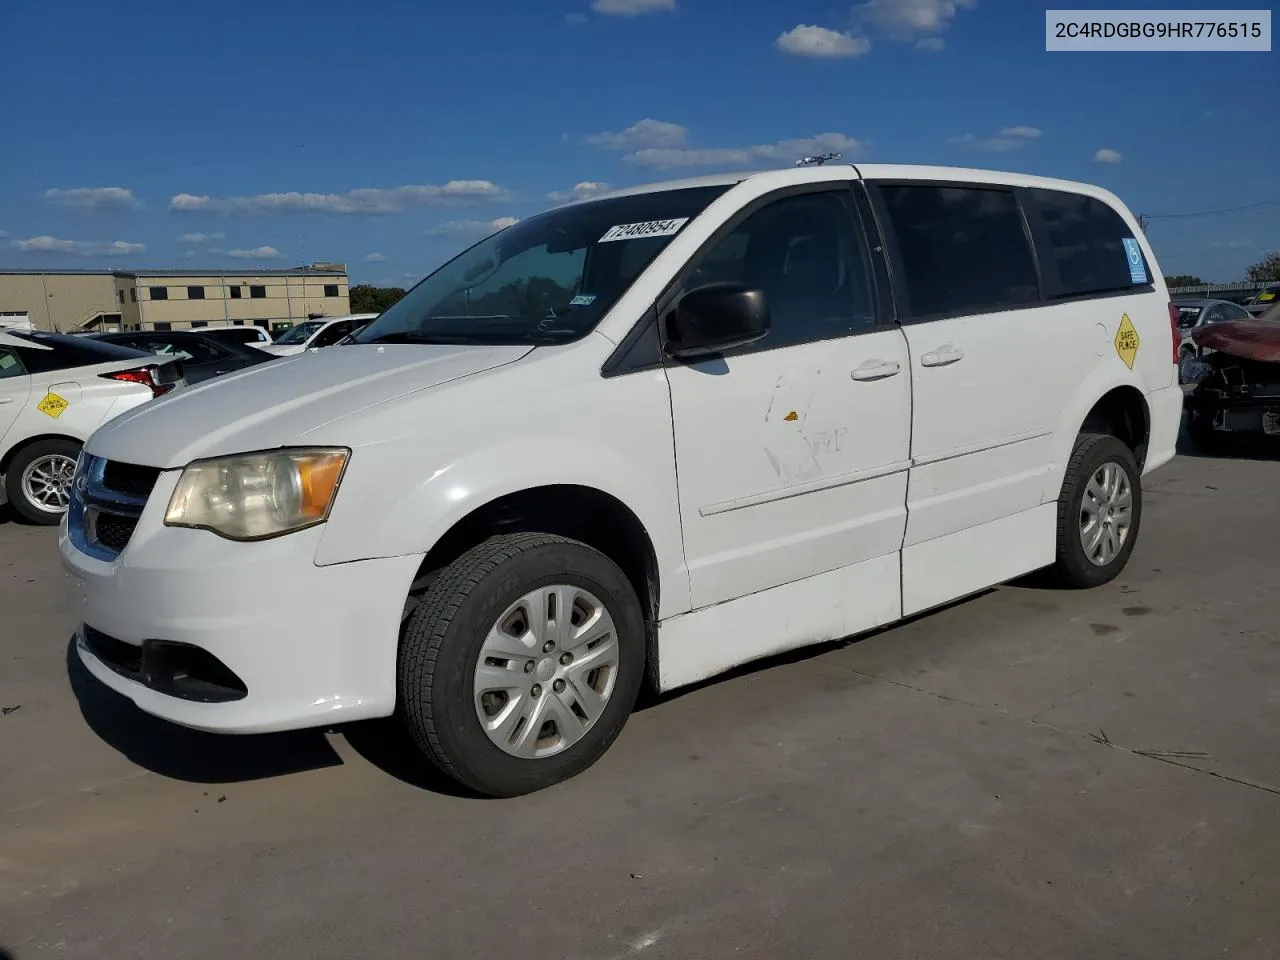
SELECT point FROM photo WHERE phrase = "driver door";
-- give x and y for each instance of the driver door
(792, 452)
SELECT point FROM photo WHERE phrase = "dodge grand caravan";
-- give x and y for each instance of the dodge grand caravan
(649, 436)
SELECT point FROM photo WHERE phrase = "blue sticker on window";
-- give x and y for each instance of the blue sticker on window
(583, 300)
(1137, 267)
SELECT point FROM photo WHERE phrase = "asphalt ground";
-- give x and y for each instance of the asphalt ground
(1026, 774)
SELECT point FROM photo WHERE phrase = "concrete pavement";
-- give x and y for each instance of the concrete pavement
(1029, 773)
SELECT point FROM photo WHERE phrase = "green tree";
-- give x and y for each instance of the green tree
(1266, 270)
(370, 299)
(1183, 280)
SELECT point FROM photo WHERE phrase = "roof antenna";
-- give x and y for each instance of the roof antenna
(819, 160)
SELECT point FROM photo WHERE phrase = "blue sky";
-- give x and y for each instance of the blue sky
(387, 135)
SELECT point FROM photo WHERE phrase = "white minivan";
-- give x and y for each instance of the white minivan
(649, 436)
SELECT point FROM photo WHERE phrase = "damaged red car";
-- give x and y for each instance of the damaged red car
(1237, 381)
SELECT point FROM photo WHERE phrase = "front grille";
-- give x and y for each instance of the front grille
(107, 498)
(113, 531)
(129, 479)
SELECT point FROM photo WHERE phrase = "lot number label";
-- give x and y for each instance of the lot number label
(52, 405)
(1127, 341)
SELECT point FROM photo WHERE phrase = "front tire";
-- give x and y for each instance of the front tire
(1099, 511)
(521, 663)
(38, 480)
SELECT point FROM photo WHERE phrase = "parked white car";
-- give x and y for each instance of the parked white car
(653, 435)
(54, 392)
(311, 334)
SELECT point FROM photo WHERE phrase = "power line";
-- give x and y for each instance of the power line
(1212, 213)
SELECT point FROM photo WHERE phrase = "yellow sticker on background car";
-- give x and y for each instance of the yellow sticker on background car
(1127, 341)
(52, 405)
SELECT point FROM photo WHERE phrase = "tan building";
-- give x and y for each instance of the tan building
(66, 301)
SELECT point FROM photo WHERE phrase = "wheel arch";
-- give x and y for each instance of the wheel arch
(1107, 404)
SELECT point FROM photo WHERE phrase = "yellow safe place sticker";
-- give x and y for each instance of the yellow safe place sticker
(52, 405)
(1127, 341)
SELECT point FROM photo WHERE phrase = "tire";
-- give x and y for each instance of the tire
(473, 601)
(1093, 454)
(25, 478)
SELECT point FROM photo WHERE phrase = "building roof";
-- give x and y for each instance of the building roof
(330, 270)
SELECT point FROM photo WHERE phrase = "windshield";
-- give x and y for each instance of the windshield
(548, 279)
(301, 333)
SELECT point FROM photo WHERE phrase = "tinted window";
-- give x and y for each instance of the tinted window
(1086, 243)
(962, 249)
(332, 334)
(1232, 312)
(257, 293)
(195, 293)
(235, 293)
(1187, 317)
(330, 289)
(159, 293)
(10, 365)
(68, 352)
(195, 348)
(808, 257)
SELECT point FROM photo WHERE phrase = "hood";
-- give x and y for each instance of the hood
(1248, 339)
(276, 404)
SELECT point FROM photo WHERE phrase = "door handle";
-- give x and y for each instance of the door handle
(876, 370)
(944, 355)
(6, 400)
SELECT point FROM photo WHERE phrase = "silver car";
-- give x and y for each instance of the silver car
(1193, 314)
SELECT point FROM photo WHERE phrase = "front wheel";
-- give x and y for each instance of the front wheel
(38, 480)
(1099, 511)
(522, 663)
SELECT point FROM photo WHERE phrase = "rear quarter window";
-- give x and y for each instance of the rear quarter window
(1082, 243)
(66, 353)
(961, 249)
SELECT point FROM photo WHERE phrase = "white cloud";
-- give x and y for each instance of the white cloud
(821, 43)
(784, 151)
(200, 237)
(1107, 155)
(472, 228)
(909, 19)
(1009, 138)
(575, 19)
(93, 198)
(642, 135)
(257, 253)
(580, 191)
(931, 43)
(374, 257)
(364, 200)
(631, 8)
(81, 248)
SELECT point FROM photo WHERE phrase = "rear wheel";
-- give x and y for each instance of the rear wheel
(522, 663)
(38, 480)
(1099, 511)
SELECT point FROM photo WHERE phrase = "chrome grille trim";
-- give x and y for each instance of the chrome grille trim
(90, 499)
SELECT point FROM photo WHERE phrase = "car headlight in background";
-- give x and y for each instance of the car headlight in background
(254, 496)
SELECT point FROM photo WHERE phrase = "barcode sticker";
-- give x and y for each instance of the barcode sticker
(650, 228)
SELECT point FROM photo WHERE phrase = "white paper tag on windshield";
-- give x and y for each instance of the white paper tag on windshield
(650, 228)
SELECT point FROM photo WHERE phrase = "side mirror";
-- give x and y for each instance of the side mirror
(717, 317)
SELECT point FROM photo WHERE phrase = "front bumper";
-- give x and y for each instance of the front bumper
(310, 645)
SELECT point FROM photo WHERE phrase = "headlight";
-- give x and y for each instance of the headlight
(255, 496)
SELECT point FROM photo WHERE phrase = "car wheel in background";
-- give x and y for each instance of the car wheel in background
(38, 480)
(1099, 511)
(521, 663)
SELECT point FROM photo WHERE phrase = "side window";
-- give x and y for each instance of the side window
(1214, 314)
(809, 257)
(1086, 242)
(961, 250)
(331, 334)
(10, 365)
(1232, 312)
